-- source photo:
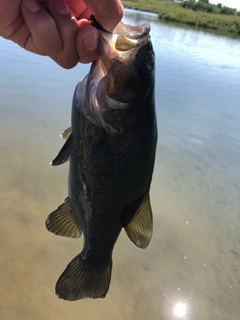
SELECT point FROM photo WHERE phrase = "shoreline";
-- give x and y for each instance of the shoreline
(173, 12)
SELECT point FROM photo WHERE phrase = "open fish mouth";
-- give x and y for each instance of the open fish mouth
(124, 37)
(132, 32)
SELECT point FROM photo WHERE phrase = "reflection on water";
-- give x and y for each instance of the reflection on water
(191, 268)
(180, 310)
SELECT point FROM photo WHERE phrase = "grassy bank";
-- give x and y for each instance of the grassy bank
(171, 11)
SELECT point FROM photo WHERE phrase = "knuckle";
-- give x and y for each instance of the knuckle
(49, 50)
(46, 27)
(70, 28)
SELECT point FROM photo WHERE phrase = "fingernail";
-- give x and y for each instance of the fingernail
(91, 41)
(61, 6)
(31, 5)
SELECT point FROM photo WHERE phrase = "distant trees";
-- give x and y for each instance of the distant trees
(205, 6)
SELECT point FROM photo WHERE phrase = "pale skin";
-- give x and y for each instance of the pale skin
(57, 28)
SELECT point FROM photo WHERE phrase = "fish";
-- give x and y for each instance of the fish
(111, 147)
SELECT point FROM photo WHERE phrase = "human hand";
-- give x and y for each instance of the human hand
(58, 28)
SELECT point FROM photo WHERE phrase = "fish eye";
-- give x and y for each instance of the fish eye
(144, 71)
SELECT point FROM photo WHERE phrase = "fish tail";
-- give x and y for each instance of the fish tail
(79, 281)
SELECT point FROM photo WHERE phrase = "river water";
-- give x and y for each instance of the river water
(193, 261)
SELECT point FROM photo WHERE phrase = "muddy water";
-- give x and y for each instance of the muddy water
(194, 256)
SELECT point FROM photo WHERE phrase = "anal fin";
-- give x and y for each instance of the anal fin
(64, 153)
(62, 223)
(80, 281)
(139, 228)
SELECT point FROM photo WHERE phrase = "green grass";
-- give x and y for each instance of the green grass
(145, 5)
(171, 11)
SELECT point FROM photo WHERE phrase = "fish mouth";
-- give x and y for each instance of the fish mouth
(124, 37)
(132, 32)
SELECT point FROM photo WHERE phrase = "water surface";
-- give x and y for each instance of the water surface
(194, 256)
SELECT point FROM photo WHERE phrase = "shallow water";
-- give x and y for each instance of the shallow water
(194, 256)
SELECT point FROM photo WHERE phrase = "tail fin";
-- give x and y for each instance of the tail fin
(78, 281)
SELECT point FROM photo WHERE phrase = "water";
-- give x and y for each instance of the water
(194, 255)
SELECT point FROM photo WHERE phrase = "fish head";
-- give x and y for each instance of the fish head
(127, 60)
(121, 81)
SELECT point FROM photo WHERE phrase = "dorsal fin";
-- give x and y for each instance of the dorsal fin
(62, 223)
(64, 153)
(139, 228)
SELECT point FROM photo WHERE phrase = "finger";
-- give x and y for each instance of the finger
(78, 7)
(67, 28)
(10, 14)
(108, 12)
(87, 41)
(44, 37)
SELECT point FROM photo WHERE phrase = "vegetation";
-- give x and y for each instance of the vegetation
(145, 5)
(205, 6)
(197, 14)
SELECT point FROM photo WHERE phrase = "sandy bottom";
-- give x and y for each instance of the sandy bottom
(193, 257)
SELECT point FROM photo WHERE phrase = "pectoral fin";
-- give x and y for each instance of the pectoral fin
(66, 133)
(62, 223)
(64, 153)
(139, 228)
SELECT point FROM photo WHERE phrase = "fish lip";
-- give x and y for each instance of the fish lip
(131, 32)
(123, 42)
(123, 38)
